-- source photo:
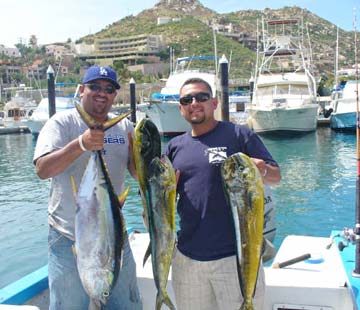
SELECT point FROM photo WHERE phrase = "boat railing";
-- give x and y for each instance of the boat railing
(283, 101)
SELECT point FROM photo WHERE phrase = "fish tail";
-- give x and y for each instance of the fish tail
(92, 123)
(163, 298)
(247, 305)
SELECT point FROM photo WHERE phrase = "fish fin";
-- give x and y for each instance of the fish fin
(112, 122)
(73, 186)
(94, 124)
(147, 254)
(163, 299)
(247, 305)
(123, 196)
(73, 248)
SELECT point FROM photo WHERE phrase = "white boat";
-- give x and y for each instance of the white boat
(20, 107)
(284, 97)
(163, 107)
(238, 102)
(343, 104)
(41, 114)
(309, 273)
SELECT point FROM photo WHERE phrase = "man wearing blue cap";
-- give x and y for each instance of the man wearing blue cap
(62, 151)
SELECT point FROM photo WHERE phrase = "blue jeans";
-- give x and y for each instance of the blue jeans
(66, 290)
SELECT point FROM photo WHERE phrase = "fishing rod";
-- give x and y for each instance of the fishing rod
(356, 271)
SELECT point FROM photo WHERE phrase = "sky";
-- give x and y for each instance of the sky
(56, 21)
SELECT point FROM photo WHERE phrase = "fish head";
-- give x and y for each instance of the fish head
(161, 170)
(234, 171)
(239, 171)
(98, 286)
(148, 139)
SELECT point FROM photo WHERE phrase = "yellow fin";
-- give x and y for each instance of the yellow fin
(123, 196)
(73, 186)
(74, 250)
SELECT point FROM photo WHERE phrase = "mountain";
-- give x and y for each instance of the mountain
(192, 35)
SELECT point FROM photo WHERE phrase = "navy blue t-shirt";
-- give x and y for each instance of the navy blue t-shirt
(206, 224)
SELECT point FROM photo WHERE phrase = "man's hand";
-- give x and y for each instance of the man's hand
(93, 139)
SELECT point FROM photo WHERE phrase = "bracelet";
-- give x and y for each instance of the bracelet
(265, 172)
(81, 143)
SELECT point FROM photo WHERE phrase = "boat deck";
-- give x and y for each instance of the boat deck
(322, 282)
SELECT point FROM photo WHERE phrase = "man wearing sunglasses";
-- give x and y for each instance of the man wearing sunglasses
(204, 272)
(62, 151)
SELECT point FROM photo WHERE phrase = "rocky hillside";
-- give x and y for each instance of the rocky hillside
(192, 35)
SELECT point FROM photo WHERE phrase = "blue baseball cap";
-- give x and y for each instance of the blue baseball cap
(101, 73)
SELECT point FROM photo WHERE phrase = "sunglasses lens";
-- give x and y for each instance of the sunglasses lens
(200, 97)
(96, 87)
(186, 100)
(109, 90)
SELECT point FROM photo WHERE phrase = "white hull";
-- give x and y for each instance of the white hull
(41, 114)
(163, 109)
(302, 119)
(343, 116)
(166, 116)
(284, 96)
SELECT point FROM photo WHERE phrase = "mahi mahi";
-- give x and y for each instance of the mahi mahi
(100, 229)
(161, 183)
(146, 146)
(244, 190)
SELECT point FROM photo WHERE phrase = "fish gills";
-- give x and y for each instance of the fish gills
(245, 194)
(161, 182)
(146, 146)
(99, 232)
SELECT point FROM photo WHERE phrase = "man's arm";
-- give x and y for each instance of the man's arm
(56, 162)
(270, 174)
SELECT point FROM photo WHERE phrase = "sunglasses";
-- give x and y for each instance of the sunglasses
(200, 97)
(96, 87)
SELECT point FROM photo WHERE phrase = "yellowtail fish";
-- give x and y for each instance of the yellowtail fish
(245, 194)
(100, 229)
(146, 146)
(161, 183)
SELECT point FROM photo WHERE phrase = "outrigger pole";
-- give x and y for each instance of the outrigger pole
(356, 271)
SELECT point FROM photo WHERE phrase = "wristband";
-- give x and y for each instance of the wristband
(81, 143)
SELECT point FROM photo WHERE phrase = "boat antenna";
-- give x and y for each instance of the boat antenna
(337, 58)
(215, 49)
(356, 271)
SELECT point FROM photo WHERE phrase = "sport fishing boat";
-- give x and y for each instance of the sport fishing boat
(41, 114)
(309, 273)
(162, 108)
(19, 108)
(343, 116)
(284, 97)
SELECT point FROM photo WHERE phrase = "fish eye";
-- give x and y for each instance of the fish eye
(105, 294)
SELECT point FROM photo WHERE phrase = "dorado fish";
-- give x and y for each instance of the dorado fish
(100, 229)
(146, 146)
(161, 183)
(244, 190)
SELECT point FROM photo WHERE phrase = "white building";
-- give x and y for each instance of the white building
(9, 51)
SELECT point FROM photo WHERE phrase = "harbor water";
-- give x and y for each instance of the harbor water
(316, 195)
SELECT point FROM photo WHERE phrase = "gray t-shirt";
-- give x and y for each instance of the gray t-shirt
(58, 131)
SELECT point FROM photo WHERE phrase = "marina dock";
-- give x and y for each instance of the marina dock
(10, 130)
